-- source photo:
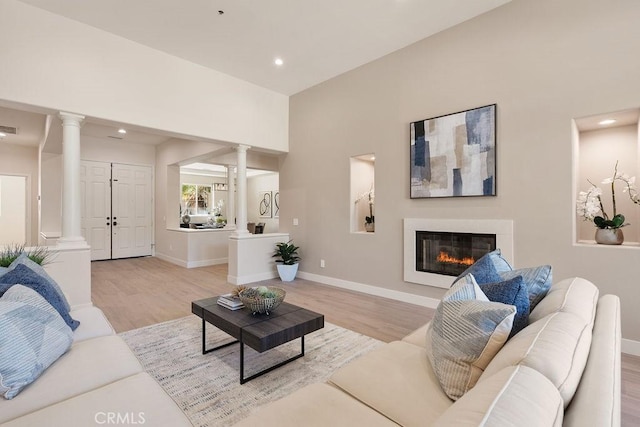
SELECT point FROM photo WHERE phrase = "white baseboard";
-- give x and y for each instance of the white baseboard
(371, 290)
(631, 347)
(207, 262)
(191, 264)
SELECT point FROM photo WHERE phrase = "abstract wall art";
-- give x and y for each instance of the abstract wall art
(265, 204)
(454, 155)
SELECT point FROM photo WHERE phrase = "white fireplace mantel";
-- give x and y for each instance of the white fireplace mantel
(503, 229)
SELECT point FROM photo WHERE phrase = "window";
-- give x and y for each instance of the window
(196, 198)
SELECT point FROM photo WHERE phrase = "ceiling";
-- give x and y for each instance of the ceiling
(317, 40)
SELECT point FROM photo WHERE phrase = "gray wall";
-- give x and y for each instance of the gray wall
(544, 63)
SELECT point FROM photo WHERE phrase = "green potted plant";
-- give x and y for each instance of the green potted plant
(8, 254)
(287, 262)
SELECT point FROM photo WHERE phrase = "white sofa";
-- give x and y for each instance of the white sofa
(98, 381)
(562, 369)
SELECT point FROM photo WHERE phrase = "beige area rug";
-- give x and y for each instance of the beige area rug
(207, 388)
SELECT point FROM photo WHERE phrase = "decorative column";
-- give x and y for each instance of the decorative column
(71, 208)
(231, 197)
(241, 177)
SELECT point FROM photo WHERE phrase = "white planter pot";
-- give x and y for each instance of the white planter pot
(287, 272)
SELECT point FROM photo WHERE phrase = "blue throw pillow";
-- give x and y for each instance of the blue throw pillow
(32, 337)
(23, 259)
(512, 292)
(23, 275)
(537, 279)
(488, 268)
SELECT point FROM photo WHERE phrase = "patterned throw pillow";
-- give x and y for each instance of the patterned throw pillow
(23, 275)
(23, 259)
(32, 337)
(464, 335)
(537, 279)
(487, 269)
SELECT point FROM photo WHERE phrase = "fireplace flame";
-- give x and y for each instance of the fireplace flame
(448, 259)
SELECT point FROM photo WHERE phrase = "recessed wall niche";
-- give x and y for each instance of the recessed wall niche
(362, 194)
(599, 142)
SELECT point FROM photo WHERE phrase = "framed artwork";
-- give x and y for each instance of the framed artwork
(276, 204)
(454, 155)
(265, 204)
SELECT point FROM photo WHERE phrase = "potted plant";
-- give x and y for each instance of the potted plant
(287, 262)
(590, 207)
(370, 220)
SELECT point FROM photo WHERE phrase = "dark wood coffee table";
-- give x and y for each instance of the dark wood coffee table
(261, 332)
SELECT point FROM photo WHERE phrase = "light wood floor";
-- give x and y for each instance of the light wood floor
(142, 291)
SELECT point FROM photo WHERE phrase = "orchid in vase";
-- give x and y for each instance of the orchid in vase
(590, 207)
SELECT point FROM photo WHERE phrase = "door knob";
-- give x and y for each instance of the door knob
(107, 223)
(115, 223)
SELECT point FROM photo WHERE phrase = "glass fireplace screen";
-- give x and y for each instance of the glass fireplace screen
(450, 253)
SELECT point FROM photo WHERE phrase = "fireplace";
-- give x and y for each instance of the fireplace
(446, 230)
(450, 253)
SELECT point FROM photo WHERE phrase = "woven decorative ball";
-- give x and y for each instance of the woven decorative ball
(263, 299)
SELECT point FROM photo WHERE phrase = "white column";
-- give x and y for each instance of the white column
(231, 197)
(71, 208)
(241, 178)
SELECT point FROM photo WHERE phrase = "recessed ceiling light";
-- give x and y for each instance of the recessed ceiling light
(2, 134)
(122, 131)
(278, 62)
(606, 122)
(373, 157)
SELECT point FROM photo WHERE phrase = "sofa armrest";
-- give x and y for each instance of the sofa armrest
(597, 400)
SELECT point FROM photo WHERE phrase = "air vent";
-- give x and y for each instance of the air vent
(9, 130)
(114, 137)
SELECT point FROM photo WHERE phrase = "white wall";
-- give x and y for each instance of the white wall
(255, 185)
(60, 64)
(23, 161)
(544, 63)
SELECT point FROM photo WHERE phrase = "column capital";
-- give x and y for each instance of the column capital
(70, 116)
(243, 147)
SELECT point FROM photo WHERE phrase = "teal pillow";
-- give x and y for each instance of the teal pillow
(512, 292)
(23, 259)
(538, 280)
(32, 337)
(487, 269)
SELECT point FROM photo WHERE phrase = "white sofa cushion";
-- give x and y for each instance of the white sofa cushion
(317, 405)
(515, 396)
(93, 323)
(135, 400)
(557, 346)
(32, 337)
(397, 380)
(87, 365)
(466, 332)
(575, 295)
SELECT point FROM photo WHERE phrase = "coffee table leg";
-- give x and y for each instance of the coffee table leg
(204, 339)
(264, 371)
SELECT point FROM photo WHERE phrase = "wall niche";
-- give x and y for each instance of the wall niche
(362, 194)
(601, 141)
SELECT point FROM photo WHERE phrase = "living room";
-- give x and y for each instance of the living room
(544, 64)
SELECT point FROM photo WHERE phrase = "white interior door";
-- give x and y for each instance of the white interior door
(13, 210)
(116, 209)
(131, 202)
(95, 194)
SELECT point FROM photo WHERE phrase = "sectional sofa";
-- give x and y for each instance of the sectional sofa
(97, 381)
(561, 369)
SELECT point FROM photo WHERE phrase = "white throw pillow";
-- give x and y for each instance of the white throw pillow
(466, 333)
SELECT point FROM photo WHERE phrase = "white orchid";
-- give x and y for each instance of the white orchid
(589, 203)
